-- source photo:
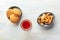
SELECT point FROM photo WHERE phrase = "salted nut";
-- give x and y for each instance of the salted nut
(14, 14)
(45, 18)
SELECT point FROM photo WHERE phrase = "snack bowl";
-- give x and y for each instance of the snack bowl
(14, 14)
(46, 24)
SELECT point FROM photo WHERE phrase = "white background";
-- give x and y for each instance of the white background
(31, 9)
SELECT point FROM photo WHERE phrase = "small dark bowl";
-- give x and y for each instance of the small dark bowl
(47, 26)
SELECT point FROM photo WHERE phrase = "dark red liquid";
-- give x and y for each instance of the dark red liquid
(26, 24)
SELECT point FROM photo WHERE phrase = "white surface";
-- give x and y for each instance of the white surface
(31, 10)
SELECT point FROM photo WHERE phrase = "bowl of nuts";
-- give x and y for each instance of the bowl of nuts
(46, 20)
